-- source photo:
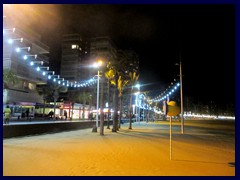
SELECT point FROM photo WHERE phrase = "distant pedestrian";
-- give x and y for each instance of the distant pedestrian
(50, 114)
(27, 114)
(65, 114)
(7, 114)
(90, 116)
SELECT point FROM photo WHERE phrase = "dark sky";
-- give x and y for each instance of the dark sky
(204, 36)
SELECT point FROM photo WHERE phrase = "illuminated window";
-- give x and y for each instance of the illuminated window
(74, 46)
(25, 85)
(31, 86)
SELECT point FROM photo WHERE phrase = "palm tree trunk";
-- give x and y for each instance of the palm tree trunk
(147, 116)
(130, 110)
(120, 114)
(101, 112)
(115, 115)
(54, 111)
(108, 113)
(55, 96)
(44, 103)
(83, 113)
(72, 111)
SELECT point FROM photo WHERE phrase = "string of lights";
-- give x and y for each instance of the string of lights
(34, 62)
(167, 93)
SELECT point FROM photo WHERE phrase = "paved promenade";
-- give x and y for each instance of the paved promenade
(207, 148)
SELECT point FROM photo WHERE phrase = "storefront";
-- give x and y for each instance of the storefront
(19, 109)
(76, 112)
(39, 108)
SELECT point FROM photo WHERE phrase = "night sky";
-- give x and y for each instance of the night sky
(202, 35)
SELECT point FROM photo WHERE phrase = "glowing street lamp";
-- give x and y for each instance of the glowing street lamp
(97, 65)
(36, 62)
(50, 76)
(60, 79)
(12, 30)
(65, 82)
(10, 41)
(26, 56)
(18, 49)
(44, 72)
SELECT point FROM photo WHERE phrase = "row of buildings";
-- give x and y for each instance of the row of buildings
(23, 53)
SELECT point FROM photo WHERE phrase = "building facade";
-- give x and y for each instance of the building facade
(23, 52)
(75, 58)
(103, 48)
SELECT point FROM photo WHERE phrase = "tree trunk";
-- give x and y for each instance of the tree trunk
(72, 104)
(55, 96)
(120, 114)
(101, 112)
(108, 113)
(83, 113)
(115, 115)
(130, 110)
(44, 103)
(54, 111)
(148, 116)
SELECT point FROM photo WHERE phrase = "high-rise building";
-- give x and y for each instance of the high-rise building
(75, 58)
(103, 48)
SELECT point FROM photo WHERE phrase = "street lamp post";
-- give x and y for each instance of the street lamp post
(97, 98)
(97, 65)
(137, 103)
(181, 94)
(181, 97)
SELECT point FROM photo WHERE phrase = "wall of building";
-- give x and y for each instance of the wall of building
(28, 77)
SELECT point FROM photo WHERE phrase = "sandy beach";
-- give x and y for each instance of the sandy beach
(205, 149)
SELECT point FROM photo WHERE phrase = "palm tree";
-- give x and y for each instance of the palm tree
(121, 85)
(127, 61)
(90, 99)
(9, 78)
(45, 91)
(114, 67)
(133, 78)
(84, 98)
(146, 101)
(109, 75)
(150, 104)
(56, 90)
(72, 97)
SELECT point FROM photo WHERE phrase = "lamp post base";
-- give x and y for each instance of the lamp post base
(94, 129)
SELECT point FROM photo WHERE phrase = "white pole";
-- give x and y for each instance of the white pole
(97, 100)
(181, 94)
(170, 137)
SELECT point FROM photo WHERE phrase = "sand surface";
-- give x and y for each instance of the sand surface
(203, 150)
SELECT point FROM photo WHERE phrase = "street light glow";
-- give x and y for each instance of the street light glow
(26, 56)
(18, 49)
(137, 86)
(98, 64)
(10, 41)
